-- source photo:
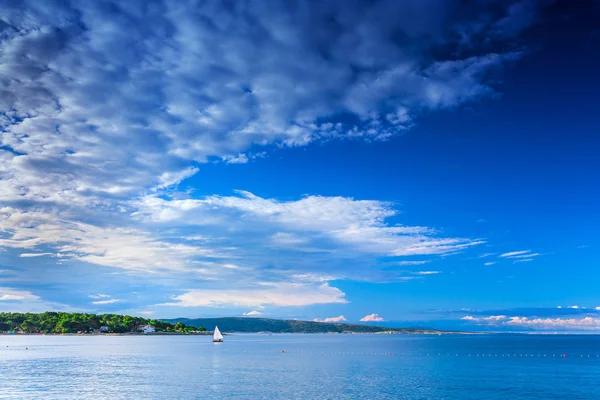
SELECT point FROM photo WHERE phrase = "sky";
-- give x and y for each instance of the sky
(415, 163)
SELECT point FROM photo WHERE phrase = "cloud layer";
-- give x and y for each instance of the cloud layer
(101, 100)
(538, 323)
(108, 108)
(267, 293)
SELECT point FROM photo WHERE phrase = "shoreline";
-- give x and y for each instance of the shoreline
(301, 333)
(240, 333)
(109, 334)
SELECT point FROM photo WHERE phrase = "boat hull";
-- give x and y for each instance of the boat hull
(218, 341)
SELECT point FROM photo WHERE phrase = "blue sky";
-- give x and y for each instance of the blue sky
(407, 163)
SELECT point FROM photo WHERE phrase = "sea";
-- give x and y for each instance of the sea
(301, 366)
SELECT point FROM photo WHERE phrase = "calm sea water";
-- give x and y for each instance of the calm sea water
(310, 367)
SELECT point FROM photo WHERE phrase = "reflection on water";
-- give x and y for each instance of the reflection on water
(216, 368)
(312, 367)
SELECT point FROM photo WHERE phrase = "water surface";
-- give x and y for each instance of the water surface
(301, 367)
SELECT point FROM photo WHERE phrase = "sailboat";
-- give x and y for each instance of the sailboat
(217, 337)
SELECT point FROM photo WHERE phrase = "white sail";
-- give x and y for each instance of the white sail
(217, 335)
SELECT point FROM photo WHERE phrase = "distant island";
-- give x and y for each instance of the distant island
(73, 323)
(82, 323)
(267, 325)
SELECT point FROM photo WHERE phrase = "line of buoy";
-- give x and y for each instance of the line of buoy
(529, 355)
(563, 355)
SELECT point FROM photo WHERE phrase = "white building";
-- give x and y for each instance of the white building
(146, 329)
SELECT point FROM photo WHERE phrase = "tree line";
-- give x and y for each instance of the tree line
(62, 322)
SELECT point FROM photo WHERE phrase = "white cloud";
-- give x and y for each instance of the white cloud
(428, 272)
(131, 100)
(283, 294)
(109, 301)
(359, 223)
(220, 231)
(17, 300)
(146, 313)
(252, 313)
(528, 255)
(586, 323)
(522, 261)
(101, 104)
(520, 256)
(239, 159)
(99, 296)
(106, 110)
(340, 318)
(490, 319)
(371, 318)
(30, 255)
(484, 255)
(287, 239)
(574, 307)
(127, 248)
(168, 178)
(8, 294)
(410, 262)
(515, 253)
(489, 263)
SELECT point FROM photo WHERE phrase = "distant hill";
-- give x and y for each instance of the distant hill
(253, 325)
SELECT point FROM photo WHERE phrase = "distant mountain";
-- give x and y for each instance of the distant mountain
(249, 325)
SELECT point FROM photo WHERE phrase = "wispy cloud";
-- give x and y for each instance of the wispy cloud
(30, 255)
(99, 296)
(360, 223)
(527, 255)
(484, 255)
(410, 262)
(8, 294)
(520, 256)
(252, 313)
(513, 254)
(109, 301)
(428, 272)
(288, 239)
(264, 293)
(121, 247)
(340, 318)
(372, 318)
(487, 264)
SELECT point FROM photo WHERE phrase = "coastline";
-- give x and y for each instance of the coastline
(110, 334)
(241, 333)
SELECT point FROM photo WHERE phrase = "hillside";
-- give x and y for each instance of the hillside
(62, 322)
(249, 325)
